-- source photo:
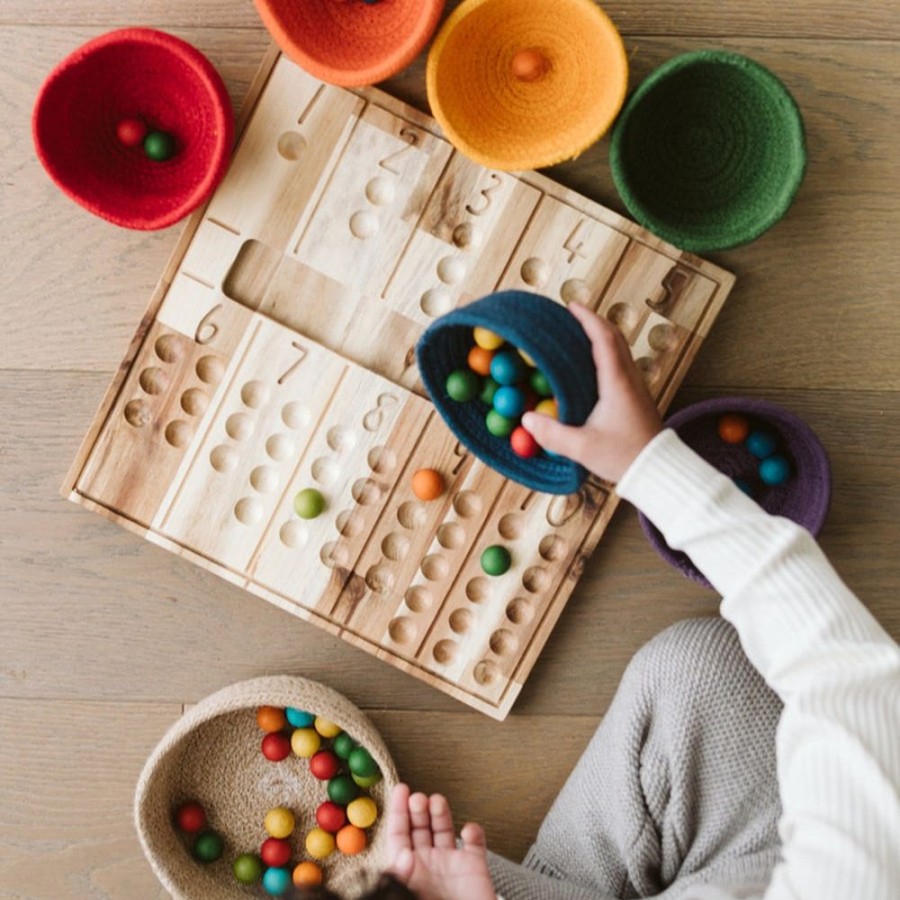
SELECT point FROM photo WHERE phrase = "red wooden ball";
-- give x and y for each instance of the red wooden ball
(131, 132)
(330, 816)
(276, 747)
(324, 765)
(275, 851)
(190, 816)
(523, 444)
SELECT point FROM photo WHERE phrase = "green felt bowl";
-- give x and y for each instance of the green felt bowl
(709, 151)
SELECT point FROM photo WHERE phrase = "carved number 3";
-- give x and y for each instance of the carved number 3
(206, 328)
(496, 181)
(374, 418)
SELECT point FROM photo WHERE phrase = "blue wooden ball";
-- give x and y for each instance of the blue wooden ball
(507, 367)
(509, 401)
(761, 443)
(774, 470)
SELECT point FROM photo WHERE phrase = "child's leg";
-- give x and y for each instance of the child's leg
(677, 783)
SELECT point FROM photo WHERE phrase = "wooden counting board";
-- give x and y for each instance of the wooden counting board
(278, 354)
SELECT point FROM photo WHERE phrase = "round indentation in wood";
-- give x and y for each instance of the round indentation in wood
(662, 337)
(249, 511)
(295, 415)
(290, 145)
(486, 673)
(444, 652)
(223, 458)
(535, 579)
(435, 567)
(264, 479)
(380, 579)
(451, 535)
(179, 433)
(451, 270)
(366, 491)
(153, 380)
(395, 546)
(280, 447)
(382, 460)
(137, 413)
(349, 523)
(412, 515)
(210, 369)
(535, 272)
(503, 642)
(649, 368)
(168, 348)
(435, 302)
(194, 401)
(477, 589)
(465, 236)
(255, 394)
(363, 225)
(340, 438)
(334, 553)
(402, 630)
(467, 504)
(520, 610)
(553, 548)
(461, 621)
(294, 534)
(239, 426)
(622, 316)
(575, 290)
(325, 471)
(511, 526)
(380, 191)
(419, 599)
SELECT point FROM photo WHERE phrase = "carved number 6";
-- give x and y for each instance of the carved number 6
(206, 328)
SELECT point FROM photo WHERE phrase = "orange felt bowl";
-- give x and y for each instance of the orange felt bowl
(504, 122)
(349, 42)
(134, 72)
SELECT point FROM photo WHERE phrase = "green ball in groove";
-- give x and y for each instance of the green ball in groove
(361, 763)
(497, 425)
(462, 386)
(159, 146)
(343, 745)
(247, 868)
(208, 847)
(495, 560)
(309, 503)
(341, 790)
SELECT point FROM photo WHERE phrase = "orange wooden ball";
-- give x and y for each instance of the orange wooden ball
(270, 718)
(351, 840)
(733, 428)
(479, 360)
(428, 484)
(307, 875)
(529, 65)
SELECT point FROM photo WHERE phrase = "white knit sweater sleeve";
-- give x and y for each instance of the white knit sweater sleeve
(821, 651)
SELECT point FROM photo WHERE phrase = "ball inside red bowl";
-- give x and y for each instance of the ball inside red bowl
(156, 78)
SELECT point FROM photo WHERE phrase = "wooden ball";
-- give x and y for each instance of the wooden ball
(523, 443)
(270, 718)
(733, 428)
(276, 747)
(529, 65)
(319, 843)
(131, 132)
(159, 146)
(279, 822)
(428, 484)
(351, 840)
(479, 360)
(190, 817)
(307, 875)
(275, 851)
(208, 847)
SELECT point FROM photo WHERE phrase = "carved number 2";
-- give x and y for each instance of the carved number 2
(411, 139)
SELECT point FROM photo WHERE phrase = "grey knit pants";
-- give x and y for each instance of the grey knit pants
(677, 785)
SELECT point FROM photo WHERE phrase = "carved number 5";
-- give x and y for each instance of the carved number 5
(411, 139)
(374, 418)
(206, 328)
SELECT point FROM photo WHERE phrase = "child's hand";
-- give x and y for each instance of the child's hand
(625, 418)
(422, 849)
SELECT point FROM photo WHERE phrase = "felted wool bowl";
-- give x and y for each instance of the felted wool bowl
(553, 338)
(212, 755)
(134, 72)
(351, 42)
(709, 152)
(505, 121)
(804, 498)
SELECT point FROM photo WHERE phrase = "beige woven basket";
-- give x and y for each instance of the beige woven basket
(212, 755)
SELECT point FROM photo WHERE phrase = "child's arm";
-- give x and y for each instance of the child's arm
(834, 667)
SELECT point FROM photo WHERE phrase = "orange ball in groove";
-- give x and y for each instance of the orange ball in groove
(479, 360)
(270, 718)
(351, 840)
(306, 875)
(428, 484)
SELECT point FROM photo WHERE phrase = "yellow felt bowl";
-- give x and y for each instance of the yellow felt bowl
(507, 122)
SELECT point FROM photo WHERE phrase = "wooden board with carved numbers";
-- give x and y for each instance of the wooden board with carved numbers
(277, 354)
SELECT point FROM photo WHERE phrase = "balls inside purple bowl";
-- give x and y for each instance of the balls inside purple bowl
(804, 497)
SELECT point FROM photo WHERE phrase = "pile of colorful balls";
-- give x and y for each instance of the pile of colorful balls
(505, 380)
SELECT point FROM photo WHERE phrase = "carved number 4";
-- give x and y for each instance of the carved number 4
(296, 364)
(411, 139)
(206, 328)
(571, 245)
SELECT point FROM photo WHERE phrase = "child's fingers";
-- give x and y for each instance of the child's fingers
(420, 819)
(552, 435)
(403, 864)
(473, 837)
(608, 345)
(398, 836)
(441, 822)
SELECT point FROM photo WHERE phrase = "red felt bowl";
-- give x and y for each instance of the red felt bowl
(351, 42)
(151, 75)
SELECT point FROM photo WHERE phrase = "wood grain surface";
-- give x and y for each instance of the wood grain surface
(106, 637)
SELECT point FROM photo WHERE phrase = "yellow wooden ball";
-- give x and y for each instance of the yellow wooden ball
(528, 360)
(327, 729)
(305, 742)
(319, 843)
(362, 812)
(547, 408)
(279, 822)
(487, 339)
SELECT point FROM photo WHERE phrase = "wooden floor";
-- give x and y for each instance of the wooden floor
(105, 637)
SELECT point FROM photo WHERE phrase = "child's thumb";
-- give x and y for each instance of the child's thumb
(552, 435)
(403, 864)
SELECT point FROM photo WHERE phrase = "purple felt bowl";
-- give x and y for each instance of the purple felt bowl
(804, 498)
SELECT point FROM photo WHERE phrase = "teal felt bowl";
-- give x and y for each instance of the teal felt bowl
(709, 151)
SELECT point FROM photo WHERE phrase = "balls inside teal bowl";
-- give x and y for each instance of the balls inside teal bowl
(551, 336)
(709, 151)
